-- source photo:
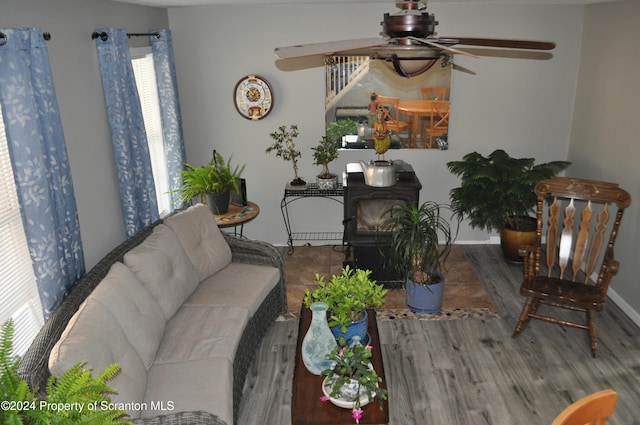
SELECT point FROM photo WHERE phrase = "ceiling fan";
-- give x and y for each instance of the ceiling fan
(408, 43)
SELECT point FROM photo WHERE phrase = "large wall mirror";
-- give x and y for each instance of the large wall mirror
(422, 110)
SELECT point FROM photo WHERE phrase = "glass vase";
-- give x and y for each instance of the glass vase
(318, 341)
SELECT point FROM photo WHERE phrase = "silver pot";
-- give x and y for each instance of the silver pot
(378, 173)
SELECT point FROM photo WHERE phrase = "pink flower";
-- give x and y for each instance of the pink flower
(324, 398)
(341, 352)
(357, 414)
(369, 347)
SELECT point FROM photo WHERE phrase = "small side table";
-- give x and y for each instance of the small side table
(237, 216)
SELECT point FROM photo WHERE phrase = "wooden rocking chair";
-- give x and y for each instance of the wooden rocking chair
(573, 250)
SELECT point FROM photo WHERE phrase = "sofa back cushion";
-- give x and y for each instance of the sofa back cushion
(201, 238)
(94, 335)
(137, 313)
(164, 269)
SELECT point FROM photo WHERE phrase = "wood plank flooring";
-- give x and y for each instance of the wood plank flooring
(467, 372)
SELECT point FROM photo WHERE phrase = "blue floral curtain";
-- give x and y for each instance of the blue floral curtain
(162, 49)
(135, 176)
(40, 164)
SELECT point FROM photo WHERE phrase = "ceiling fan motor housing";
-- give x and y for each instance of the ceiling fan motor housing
(420, 25)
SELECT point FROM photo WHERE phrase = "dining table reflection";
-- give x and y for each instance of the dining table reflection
(432, 113)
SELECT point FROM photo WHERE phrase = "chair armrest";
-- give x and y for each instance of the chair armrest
(182, 418)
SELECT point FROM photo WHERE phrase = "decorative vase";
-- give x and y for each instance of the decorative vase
(318, 341)
(425, 299)
(218, 202)
(358, 328)
(327, 183)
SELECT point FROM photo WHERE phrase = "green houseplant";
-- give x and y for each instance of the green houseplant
(215, 180)
(348, 296)
(284, 146)
(352, 381)
(419, 238)
(327, 151)
(496, 193)
(68, 398)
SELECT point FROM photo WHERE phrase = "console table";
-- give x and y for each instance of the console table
(312, 191)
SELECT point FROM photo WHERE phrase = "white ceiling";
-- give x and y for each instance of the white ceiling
(181, 3)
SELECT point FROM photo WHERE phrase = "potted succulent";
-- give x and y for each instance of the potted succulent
(213, 180)
(351, 382)
(348, 296)
(284, 146)
(419, 242)
(327, 151)
(68, 396)
(496, 193)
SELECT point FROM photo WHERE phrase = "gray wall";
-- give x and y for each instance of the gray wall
(604, 140)
(74, 65)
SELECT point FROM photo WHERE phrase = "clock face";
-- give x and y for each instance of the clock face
(253, 97)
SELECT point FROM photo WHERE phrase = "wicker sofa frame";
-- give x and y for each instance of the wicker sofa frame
(34, 365)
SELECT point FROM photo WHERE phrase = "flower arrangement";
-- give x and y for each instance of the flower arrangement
(352, 365)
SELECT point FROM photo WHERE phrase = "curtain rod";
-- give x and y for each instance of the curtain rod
(104, 36)
(4, 38)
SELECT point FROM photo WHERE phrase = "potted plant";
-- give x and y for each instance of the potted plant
(419, 240)
(68, 397)
(327, 151)
(351, 382)
(213, 180)
(496, 193)
(348, 296)
(284, 146)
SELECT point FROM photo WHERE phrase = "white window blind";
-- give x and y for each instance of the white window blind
(19, 299)
(142, 61)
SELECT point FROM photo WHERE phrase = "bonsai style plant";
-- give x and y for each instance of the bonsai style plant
(284, 146)
(327, 151)
(68, 397)
(496, 192)
(419, 240)
(215, 180)
(352, 381)
(347, 296)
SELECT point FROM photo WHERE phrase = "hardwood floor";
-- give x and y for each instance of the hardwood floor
(467, 372)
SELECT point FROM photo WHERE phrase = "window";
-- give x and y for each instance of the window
(19, 299)
(142, 61)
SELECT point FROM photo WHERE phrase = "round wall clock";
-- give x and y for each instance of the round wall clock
(253, 97)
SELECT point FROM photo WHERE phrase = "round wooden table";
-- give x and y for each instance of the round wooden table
(237, 216)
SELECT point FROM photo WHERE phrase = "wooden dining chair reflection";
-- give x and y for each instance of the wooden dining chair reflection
(390, 105)
(437, 123)
(593, 409)
(433, 93)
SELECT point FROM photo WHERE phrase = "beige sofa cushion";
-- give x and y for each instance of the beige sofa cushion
(164, 269)
(202, 332)
(205, 384)
(94, 335)
(137, 313)
(238, 284)
(202, 240)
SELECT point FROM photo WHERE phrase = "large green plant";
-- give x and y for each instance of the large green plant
(347, 295)
(419, 240)
(497, 190)
(216, 176)
(75, 398)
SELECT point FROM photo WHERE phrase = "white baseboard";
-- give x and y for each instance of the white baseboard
(624, 306)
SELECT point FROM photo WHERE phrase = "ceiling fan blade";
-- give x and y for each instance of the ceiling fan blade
(434, 42)
(504, 43)
(328, 48)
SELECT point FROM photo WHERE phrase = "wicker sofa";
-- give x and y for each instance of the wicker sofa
(181, 306)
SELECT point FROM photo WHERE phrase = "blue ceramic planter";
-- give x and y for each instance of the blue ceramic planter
(358, 328)
(425, 299)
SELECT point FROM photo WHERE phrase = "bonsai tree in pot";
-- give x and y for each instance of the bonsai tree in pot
(419, 243)
(213, 180)
(496, 193)
(327, 151)
(348, 296)
(284, 146)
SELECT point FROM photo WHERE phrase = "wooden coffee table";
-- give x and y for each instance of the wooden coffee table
(306, 407)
